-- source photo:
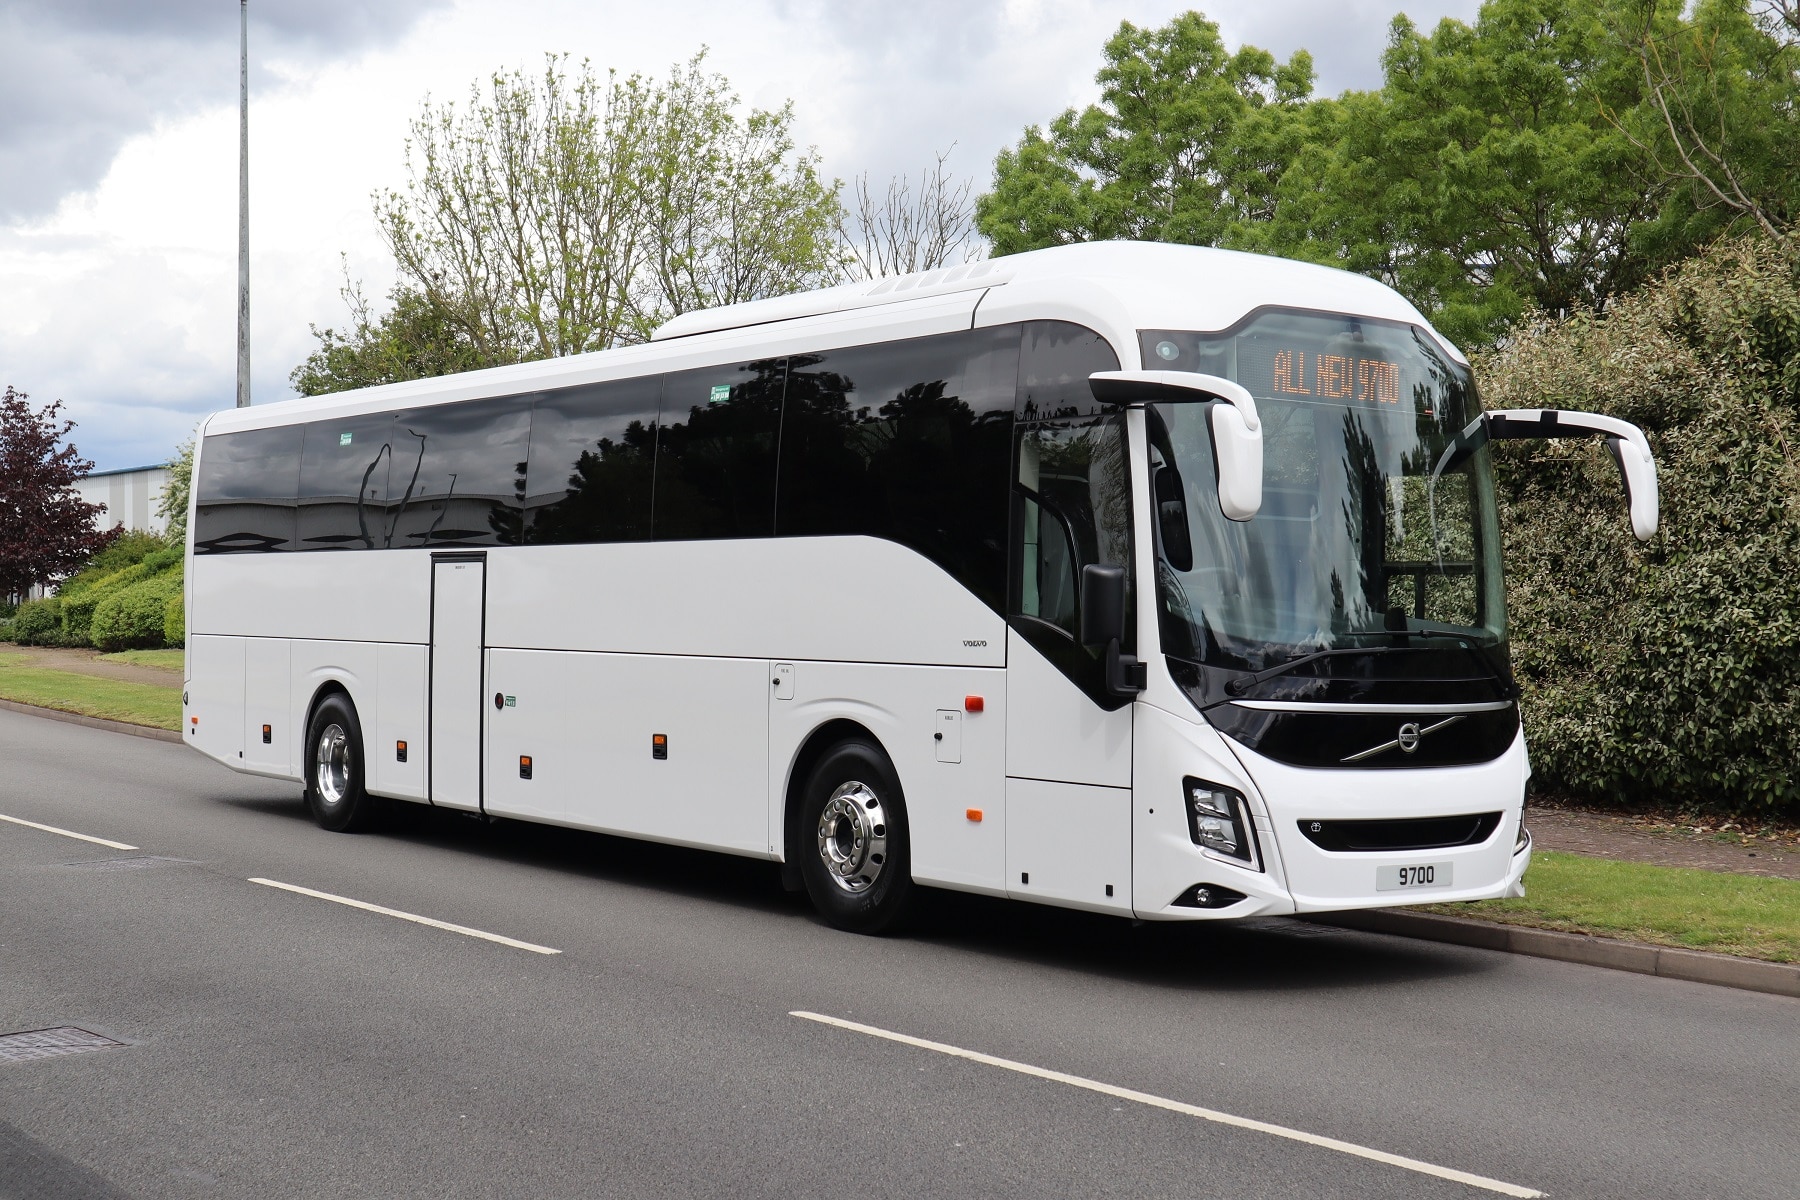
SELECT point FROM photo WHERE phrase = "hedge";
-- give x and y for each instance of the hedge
(38, 622)
(1666, 673)
(133, 617)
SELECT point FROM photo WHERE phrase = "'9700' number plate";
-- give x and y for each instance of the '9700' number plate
(1412, 877)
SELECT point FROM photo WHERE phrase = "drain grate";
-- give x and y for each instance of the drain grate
(48, 1043)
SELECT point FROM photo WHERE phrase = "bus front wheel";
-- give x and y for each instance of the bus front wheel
(334, 769)
(853, 846)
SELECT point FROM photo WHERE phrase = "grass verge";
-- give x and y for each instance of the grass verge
(137, 703)
(1746, 915)
(168, 660)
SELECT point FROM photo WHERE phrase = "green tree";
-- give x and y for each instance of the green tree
(415, 338)
(1519, 162)
(1187, 144)
(564, 213)
(1508, 187)
(1722, 119)
(172, 507)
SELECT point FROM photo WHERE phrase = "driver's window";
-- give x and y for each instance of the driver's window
(1074, 509)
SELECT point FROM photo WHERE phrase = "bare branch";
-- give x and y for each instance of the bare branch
(903, 231)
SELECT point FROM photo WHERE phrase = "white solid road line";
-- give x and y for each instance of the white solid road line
(413, 917)
(80, 837)
(1192, 1110)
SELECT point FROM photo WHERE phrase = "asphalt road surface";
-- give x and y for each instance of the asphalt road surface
(274, 1043)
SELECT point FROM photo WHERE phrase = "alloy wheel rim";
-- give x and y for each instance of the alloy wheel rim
(853, 837)
(332, 764)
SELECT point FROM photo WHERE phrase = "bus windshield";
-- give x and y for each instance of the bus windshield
(1366, 537)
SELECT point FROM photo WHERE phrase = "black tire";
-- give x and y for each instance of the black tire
(333, 762)
(856, 860)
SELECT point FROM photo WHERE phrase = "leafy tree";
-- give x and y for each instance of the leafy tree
(566, 213)
(414, 339)
(1187, 144)
(46, 528)
(1524, 161)
(1508, 187)
(173, 506)
(1723, 113)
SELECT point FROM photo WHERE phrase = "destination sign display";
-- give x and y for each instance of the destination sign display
(1288, 371)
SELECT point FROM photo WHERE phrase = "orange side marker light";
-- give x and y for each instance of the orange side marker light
(974, 704)
(974, 814)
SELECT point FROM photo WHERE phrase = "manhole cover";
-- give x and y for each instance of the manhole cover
(126, 864)
(47, 1043)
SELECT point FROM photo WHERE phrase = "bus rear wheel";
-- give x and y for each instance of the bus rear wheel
(853, 846)
(334, 769)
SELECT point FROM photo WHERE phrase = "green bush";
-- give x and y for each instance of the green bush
(132, 618)
(1667, 673)
(128, 549)
(38, 622)
(175, 620)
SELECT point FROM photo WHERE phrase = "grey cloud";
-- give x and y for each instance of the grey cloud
(79, 77)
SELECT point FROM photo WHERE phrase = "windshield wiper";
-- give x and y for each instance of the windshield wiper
(1244, 683)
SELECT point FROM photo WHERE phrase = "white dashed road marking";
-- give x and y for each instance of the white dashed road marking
(80, 837)
(1192, 1110)
(406, 916)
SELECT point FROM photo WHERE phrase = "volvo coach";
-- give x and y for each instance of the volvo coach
(1144, 579)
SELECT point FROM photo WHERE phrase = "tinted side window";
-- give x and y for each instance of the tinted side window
(908, 441)
(1071, 495)
(344, 471)
(593, 454)
(458, 474)
(246, 490)
(715, 456)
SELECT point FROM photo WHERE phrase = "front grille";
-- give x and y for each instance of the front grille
(1411, 833)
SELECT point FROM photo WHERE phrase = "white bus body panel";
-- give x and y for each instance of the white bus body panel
(321, 595)
(1069, 844)
(847, 599)
(901, 707)
(267, 701)
(215, 697)
(1053, 731)
(587, 720)
(400, 681)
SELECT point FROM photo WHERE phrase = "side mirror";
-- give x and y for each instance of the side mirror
(1236, 427)
(1172, 519)
(1102, 604)
(1629, 447)
(1103, 624)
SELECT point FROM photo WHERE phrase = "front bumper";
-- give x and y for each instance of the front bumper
(1298, 876)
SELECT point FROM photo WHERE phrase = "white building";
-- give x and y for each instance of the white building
(131, 495)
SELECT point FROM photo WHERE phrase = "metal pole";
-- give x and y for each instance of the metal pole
(243, 360)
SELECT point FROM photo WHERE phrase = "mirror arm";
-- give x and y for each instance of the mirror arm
(1629, 447)
(1125, 675)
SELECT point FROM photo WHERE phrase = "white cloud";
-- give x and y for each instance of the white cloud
(121, 299)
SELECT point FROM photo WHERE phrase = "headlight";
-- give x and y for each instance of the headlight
(1219, 821)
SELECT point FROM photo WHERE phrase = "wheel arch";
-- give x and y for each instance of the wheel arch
(812, 749)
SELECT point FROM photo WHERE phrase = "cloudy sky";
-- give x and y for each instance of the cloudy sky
(118, 148)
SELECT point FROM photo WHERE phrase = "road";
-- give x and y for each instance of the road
(278, 1044)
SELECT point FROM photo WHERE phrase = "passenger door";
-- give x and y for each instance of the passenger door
(458, 627)
(1068, 793)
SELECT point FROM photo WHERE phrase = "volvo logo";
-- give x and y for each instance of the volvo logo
(1406, 740)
